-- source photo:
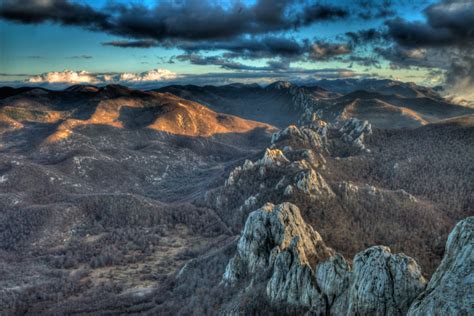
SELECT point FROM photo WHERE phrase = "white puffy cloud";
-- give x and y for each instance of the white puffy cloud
(66, 76)
(152, 75)
(73, 77)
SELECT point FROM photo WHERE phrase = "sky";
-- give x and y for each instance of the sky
(61, 42)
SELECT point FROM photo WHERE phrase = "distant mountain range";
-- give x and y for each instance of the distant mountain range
(282, 103)
(386, 103)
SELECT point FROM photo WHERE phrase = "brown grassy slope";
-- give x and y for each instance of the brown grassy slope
(157, 111)
(382, 114)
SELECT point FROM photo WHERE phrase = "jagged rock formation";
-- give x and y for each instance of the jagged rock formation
(288, 170)
(295, 157)
(279, 249)
(299, 168)
(305, 137)
(383, 283)
(276, 239)
(354, 131)
(451, 288)
(273, 157)
(312, 183)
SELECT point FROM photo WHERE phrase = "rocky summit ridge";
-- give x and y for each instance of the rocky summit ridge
(281, 254)
(277, 248)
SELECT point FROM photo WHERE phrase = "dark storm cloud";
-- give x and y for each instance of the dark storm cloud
(462, 71)
(447, 39)
(132, 44)
(366, 36)
(253, 48)
(202, 20)
(281, 52)
(400, 57)
(58, 11)
(448, 23)
(324, 50)
(220, 61)
(318, 12)
(225, 63)
(416, 34)
(186, 20)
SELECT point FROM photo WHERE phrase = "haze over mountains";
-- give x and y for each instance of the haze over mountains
(236, 199)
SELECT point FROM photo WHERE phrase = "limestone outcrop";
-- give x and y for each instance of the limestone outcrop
(300, 137)
(312, 183)
(354, 132)
(279, 249)
(383, 283)
(451, 288)
(276, 240)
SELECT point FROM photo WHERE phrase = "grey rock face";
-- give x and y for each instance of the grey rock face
(383, 283)
(306, 137)
(354, 131)
(333, 277)
(451, 288)
(277, 241)
(273, 157)
(292, 282)
(278, 248)
(311, 182)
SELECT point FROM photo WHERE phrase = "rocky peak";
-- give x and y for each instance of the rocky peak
(276, 240)
(304, 137)
(271, 230)
(290, 131)
(278, 248)
(318, 124)
(273, 157)
(451, 288)
(383, 283)
(311, 182)
(355, 127)
(354, 132)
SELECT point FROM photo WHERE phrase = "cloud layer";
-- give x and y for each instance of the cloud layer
(170, 20)
(84, 77)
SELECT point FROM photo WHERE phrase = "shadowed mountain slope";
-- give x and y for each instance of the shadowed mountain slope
(276, 104)
(388, 104)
